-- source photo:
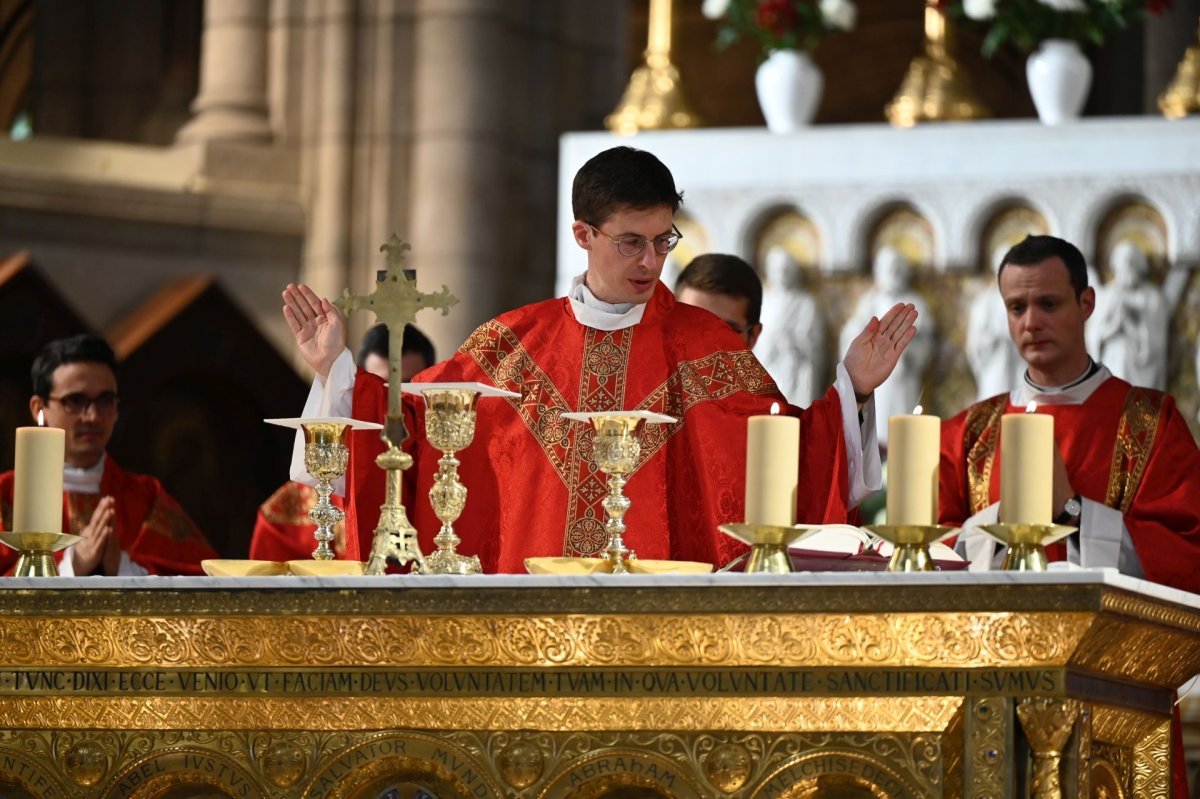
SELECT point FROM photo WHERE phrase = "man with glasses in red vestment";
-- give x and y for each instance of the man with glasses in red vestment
(129, 523)
(618, 341)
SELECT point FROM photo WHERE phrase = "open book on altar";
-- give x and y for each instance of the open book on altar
(844, 547)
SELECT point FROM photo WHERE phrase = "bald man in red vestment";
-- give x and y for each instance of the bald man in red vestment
(130, 524)
(1127, 471)
(619, 341)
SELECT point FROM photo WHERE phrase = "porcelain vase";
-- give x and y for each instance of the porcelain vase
(1059, 76)
(789, 88)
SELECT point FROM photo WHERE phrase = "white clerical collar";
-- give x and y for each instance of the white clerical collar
(1074, 393)
(78, 480)
(593, 312)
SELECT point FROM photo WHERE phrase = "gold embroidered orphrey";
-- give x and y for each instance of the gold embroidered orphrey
(602, 387)
(676, 692)
(1136, 433)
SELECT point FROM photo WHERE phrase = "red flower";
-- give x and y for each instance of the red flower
(777, 16)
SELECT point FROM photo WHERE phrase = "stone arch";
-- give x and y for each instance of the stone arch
(1128, 218)
(803, 232)
(621, 774)
(184, 774)
(1001, 224)
(900, 224)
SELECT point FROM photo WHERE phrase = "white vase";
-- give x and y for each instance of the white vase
(789, 90)
(1059, 76)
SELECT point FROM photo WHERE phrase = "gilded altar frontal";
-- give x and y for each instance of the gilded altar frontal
(776, 687)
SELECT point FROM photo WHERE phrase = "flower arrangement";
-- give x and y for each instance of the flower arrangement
(780, 24)
(1026, 23)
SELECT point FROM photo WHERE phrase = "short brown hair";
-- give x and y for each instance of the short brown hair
(724, 274)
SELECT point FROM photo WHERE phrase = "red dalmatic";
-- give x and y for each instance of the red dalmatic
(533, 489)
(283, 531)
(157, 533)
(1128, 448)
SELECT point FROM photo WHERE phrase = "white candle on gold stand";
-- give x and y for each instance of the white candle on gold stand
(38, 479)
(914, 451)
(772, 468)
(1026, 467)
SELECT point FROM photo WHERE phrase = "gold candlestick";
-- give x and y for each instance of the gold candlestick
(935, 87)
(911, 542)
(1182, 96)
(37, 551)
(655, 98)
(768, 544)
(1026, 543)
(326, 452)
(450, 414)
(615, 450)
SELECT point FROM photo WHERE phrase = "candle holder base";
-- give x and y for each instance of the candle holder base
(911, 542)
(37, 551)
(1026, 543)
(768, 544)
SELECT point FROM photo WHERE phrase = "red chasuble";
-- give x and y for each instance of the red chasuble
(157, 533)
(533, 489)
(1126, 447)
(283, 531)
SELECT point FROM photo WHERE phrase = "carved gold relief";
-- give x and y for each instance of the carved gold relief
(482, 713)
(1047, 723)
(1145, 737)
(521, 763)
(283, 764)
(989, 742)
(86, 763)
(900, 639)
(1151, 764)
(728, 767)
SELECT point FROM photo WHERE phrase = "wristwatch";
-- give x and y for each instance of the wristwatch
(1071, 510)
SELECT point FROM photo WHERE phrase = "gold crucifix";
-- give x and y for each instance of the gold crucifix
(395, 302)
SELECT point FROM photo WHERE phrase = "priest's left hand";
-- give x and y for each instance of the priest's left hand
(873, 354)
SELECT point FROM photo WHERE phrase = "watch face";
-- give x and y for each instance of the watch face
(1073, 507)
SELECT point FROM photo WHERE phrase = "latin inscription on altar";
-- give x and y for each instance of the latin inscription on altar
(528, 682)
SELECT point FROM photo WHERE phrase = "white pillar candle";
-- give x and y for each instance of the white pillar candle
(914, 451)
(1026, 468)
(772, 469)
(38, 480)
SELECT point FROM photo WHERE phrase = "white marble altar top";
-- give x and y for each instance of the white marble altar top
(849, 580)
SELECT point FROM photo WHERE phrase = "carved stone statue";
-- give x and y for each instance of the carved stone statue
(994, 360)
(792, 343)
(902, 391)
(1130, 327)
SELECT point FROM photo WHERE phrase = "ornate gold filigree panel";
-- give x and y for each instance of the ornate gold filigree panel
(483, 713)
(897, 639)
(1145, 737)
(989, 738)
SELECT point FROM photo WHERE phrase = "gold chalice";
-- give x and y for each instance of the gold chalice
(911, 541)
(615, 449)
(37, 551)
(326, 453)
(1026, 543)
(450, 413)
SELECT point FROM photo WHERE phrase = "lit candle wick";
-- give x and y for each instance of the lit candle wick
(41, 418)
(917, 411)
(1031, 407)
(774, 408)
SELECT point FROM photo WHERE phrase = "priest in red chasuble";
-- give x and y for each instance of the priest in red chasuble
(129, 523)
(618, 341)
(1128, 471)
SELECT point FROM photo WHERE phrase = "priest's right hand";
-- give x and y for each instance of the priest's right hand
(88, 553)
(318, 327)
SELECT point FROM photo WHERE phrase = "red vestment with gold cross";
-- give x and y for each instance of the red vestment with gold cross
(532, 487)
(151, 526)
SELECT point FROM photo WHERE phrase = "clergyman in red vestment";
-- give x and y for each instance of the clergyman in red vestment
(129, 523)
(618, 341)
(1127, 471)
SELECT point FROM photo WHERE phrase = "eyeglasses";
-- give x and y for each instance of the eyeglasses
(77, 402)
(632, 244)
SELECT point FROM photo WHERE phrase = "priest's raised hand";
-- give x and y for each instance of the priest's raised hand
(875, 351)
(318, 327)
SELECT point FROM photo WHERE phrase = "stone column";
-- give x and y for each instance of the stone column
(232, 104)
(466, 214)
